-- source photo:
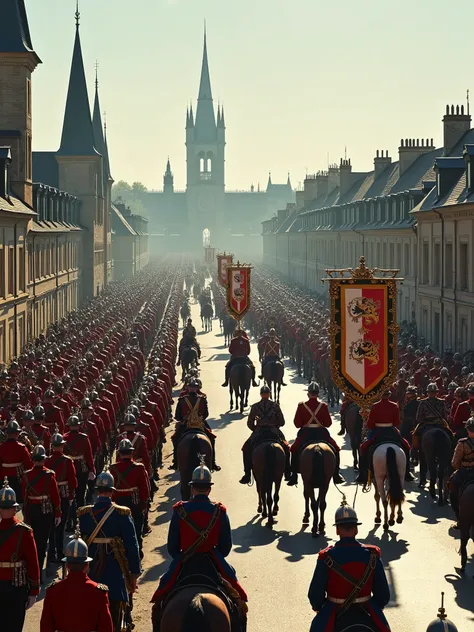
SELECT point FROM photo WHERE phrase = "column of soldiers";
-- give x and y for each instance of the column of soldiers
(82, 396)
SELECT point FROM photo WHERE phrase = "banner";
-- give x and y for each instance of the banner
(363, 331)
(238, 289)
(223, 261)
(209, 254)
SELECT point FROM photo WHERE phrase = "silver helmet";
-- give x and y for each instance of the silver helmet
(105, 482)
(7, 496)
(76, 551)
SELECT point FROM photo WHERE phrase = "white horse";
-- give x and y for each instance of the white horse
(389, 462)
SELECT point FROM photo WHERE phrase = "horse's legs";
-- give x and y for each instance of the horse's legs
(391, 521)
(378, 518)
(322, 508)
(279, 389)
(306, 506)
(276, 498)
(399, 514)
(314, 509)
(423, 470)
(355, 455)
(269, 500)
(463, 551)
(433, 470)
(383, 496)
(231, 391)
(259, 508)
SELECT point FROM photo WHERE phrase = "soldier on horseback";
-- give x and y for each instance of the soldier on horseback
(271, 351)
(188, 340)
(191, 414)
(431, 412)
(265, 420)
(239, 350)
(312, 418)
(463, 464)
(383, 425)
(349, 583)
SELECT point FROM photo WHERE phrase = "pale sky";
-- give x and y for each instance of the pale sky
(299, 79)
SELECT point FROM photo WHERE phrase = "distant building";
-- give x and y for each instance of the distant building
(129, 241)
(178, 218)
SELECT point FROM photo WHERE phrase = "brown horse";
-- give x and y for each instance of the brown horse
(193, 609)
(317, 467)
(273, 372)
(435, 457)
(466, 520)
(353, 422)
(189, 448)
(268, 465)
(239, 384)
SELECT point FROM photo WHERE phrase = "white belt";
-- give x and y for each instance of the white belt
(76, 458)
(384, 425)
(129, 489)
(341, 601)
(62, 483)
(101, 541)
(38, 497)
(12, 564)
(11, 464)
(314, 425)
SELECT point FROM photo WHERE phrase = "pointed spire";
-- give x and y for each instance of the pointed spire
(288, 182)
(77, 137)
(269, 183)
(218, 115)
(168, 167)
(222, 116)
(99, 139)
(191, 117)
(205, 119)
(106, 156)
(14, 29)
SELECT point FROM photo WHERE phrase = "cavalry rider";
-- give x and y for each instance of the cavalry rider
(201, 526)
(383, 424)
(239, 350)
(313, 419)
(271, 351)
(188, 340)
(463, 412)
(463, 464)
(265, 420)
(191, 413)
(431, 412)
(349, 582)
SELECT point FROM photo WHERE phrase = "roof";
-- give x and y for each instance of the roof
(119, 224)
(205, 126)
(15, 205)
(99, 140)
(45, 168)
(14, 30)
(53, 227)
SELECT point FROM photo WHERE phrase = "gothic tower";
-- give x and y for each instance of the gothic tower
(205, 147)
(17, 61)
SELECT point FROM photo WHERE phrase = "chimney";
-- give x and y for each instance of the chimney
(5, 162)
(300, 200)
(322, 183)
(310, 188)
(333, 178)
(448, 171)
(411, 149)
(381, 162)
(455, 125)
(345, 176)
(469, 158)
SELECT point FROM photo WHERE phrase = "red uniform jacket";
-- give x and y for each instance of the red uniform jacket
(26, 552)
(14, 458)
(65, 407)
(302, 416)
(129, 475)
(43, 434)
(103, 413)
(272, 347)
(139, 442)
(239, 347)
(92, 432)
(54, 415)
(384, 412)
(63, 467)
(78, 447)
(76, 604)
(462, 414)
(37, 482)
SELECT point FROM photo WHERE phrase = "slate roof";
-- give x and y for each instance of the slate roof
(205, 126)
(14, 30)
(15, 205)
(45, 168)
(120, 225)
(53, 227)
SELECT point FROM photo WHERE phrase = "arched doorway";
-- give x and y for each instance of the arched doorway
(206, 238)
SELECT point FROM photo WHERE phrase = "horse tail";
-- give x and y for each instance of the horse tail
(440, 453)
(317, 469)
(194, 619)
(194, 450)
(395, 494)
(269, 467)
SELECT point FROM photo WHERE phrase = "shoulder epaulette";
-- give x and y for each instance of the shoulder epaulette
(26, 526)
(180, 503)
(123, 511)
(102, 587)
(372, 547)
(53, 583)
(300, 403)
(223, 507)
(51, 472)
(325, 551)
(81, 511)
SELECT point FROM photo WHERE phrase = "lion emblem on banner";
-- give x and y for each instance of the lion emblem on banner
(239, 294)
(361, 350)
(238, 278)
(365, 309)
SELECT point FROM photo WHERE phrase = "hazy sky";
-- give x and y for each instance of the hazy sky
(300, 79)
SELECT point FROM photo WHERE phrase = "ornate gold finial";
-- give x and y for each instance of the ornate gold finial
(56, 429)
(5, 482)
(77, 531)
(441, 611)
(344, 502)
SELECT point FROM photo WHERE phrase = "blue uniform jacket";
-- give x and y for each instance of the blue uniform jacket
(120, 524)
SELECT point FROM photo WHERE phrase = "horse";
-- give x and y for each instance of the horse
(466, 520)
(188, 358)
(353, 422)
(298, 356)
(317, 467)
(185, 313)
(207, 314)
(189, 448)
(389, 463)
(229, 328)
(435, 456)
(273, 375)
(239, 384)
(268, 466)
(355, 620)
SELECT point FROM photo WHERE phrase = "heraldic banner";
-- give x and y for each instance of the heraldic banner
(223, 260)
(238, 289)
(363, 331)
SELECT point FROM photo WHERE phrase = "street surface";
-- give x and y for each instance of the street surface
(276, 567)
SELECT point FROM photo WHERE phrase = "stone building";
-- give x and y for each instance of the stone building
(342, 214)
(129, 241)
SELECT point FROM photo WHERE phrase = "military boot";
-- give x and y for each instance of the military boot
(337, 478)
(247, 477)
(453, 499)
(254, 383)
(363, 469)
(295, 466)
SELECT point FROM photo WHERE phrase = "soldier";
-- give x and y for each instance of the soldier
(53, 414)
(138, 441)
(41, 431)
(463, 464)
(42, 506)
(201, 526)
(63, 467)
(110, 535)
(464, 411)
(239, 350)
(15, 458)
(442, 623)
(265, 420)
(188, 340)
(409, 412)
(346, 575)
(19, 569)
(431, 411)
(312, 418)
(76, 603)
(271, 351)
(78, 447)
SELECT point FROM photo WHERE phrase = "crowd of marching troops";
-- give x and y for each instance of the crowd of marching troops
(83, 413)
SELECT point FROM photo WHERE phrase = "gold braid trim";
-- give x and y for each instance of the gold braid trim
(118, 550)
(87, 509)
(123, 511)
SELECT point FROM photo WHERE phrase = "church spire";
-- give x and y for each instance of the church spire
(269, 183)
(205, 119)
(14, 29)
(78, 136)
(168, 179)
(99, 138)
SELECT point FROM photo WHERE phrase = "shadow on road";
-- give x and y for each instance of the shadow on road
(301, 544)
(226, 419)
(253, 534)
(392, 548)
(217, 356)
(155, 571)
(463, 588)
(425, 507)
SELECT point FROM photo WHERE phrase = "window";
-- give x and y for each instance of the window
(11, 270)
(448, 266)
(398, 263)
(21, 270)
(391, 262)
(463, 267)
(406, 264)
(425, 263)
(437, 264)
(28, 158)
(436, 328)
(28, 97)
(463, 341)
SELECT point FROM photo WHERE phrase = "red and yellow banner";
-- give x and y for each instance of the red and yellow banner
(223, 261)
(238, 289)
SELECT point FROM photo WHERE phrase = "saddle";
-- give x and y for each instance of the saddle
(380, 441)
(469, 480)
(313, 441)
(263, 435)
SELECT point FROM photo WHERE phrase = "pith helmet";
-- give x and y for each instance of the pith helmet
(73, 421)
(202, 476)
(346, 515)
(39, 453)
(125, 446)
(39, 412)
(470, 424)
(442, 623)
(76, 551)
(7, 496)
(57, 439)
(13, 427)
(129, 420)
(265, 390)
(313, 388)
(105, 482)
(432, 388)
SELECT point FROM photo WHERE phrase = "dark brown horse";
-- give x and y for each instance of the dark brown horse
(229, 328)
(189, 358)
(189, 448)
(317, 466)
(239, 385)
(466, 520)
(273, 372)
(435, 457)
(193, 609)
(353, 422)
(268, 465)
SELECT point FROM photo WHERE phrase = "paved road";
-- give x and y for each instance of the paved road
(276, 566)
